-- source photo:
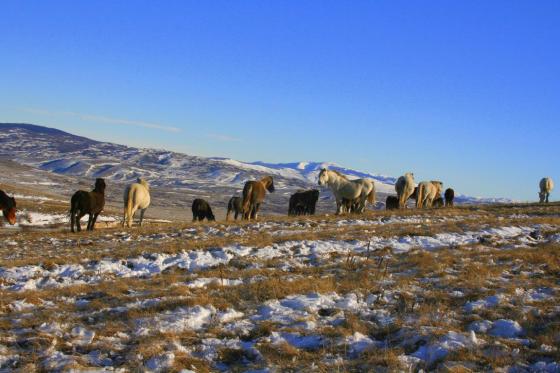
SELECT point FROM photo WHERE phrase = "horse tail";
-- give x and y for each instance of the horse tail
(229, 208)
(128, 208)
(73, 210)
(247, 192)
(420, 195)
(371, 196)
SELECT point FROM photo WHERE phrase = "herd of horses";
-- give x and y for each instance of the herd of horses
(351, 195)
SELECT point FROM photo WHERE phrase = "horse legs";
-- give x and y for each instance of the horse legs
(227, 214)
(72, 220)
(142, 211)
(79, 217)
(89, 223)
(130, 218)
(255, 212)
(339, 207)
(247, 214)
(124, 219)
(93, 221)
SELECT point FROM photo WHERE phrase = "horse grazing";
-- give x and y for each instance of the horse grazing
(449, 197)
(427, 192)
(8, 207)
(303, 202)
(235, 205)
(136, 196)
(200, 210)
(392, 203)
(253, 195)
(342, 188)
(91, 203)
(546, 185)
(438, 202)
(404, 188)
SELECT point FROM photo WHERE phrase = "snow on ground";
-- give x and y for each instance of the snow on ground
(479, 298)
(294, 254)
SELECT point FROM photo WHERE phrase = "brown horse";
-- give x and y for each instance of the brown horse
(253, 195)
(91, 203)
(8, 207)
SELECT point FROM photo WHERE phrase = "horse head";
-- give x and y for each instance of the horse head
(323, 176)
(100, 185)
(144, 183)
(10, 212)
(438, 185)
(269, 183)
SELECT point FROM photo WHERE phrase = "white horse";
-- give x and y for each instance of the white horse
(428, 191)
(404, 188)
(136, 196)
(362, 190)
(546, 185)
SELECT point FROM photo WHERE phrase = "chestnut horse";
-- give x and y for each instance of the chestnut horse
(91, 203)
(253, 195)
(8, 207)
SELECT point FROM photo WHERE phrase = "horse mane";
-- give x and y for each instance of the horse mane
(340, 174)
(99, 185)
(268, 181)
(144, 183)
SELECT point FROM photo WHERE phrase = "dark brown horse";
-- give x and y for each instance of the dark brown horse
(303, 202)
(235, 204)
(392, 203)
(438, 202)
(91, 203)
(8, 207)
(253, 195)
(200, 210)
(449, 197)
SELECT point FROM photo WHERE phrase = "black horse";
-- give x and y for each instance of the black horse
(303, 202)
(392, 203)
(235, 204)
(91, 203)
(449, 197)
(201, 209)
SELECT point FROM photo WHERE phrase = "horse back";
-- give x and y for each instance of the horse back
(254, 191)
(139, 194)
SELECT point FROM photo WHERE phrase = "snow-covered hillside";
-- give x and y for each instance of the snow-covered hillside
(65, 154)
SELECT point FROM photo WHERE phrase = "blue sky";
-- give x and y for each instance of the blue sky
(467, 92)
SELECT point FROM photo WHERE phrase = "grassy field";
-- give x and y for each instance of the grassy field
(464, 289)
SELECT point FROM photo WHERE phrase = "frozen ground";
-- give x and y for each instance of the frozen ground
(467, 289)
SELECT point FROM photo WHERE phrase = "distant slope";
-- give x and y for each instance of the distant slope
(70, 155)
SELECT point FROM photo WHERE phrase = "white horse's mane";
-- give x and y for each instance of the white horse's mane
(337, 173)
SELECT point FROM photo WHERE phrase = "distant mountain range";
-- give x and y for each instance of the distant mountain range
(66, 154)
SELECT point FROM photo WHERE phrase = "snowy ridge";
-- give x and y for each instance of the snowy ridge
(66, 154)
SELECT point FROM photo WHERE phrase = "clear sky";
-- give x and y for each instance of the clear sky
(467, 92)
